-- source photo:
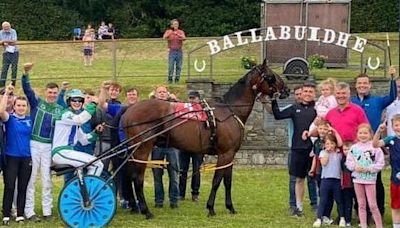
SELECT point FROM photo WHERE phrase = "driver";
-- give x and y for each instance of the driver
(68, 133)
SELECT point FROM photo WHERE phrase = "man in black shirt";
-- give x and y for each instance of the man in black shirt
(302, 114)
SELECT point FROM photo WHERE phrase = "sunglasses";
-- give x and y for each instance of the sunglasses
(78, 99)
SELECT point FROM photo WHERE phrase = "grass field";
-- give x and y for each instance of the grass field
(260, 196)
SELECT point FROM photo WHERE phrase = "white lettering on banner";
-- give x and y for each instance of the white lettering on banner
(270, 34)
(254, 38)
(240, 39)
(214, 48)
(296, 32)
(329, 37)
(313, 34)
(228, 43)
(284, 32)
(359, 44)
(343, 39)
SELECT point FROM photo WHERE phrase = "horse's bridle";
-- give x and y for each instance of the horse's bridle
(270, 79)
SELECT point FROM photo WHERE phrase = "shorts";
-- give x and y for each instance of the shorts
(87, 52)
(394, 196)
(300, 163)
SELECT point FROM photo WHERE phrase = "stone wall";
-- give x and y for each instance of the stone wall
(265, 141)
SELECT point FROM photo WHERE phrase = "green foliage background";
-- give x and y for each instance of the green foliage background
(55, 19)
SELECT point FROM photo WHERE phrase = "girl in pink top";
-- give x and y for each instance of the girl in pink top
(365, 162)
(327, 100)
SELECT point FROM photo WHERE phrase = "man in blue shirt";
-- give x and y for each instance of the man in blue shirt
(373, 107)
(8, 39)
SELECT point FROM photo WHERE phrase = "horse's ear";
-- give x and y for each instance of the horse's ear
(265, 63)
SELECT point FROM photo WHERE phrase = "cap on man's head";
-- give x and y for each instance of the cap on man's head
(193, 94)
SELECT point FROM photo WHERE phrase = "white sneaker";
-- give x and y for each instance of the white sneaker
(326, 220)
(348, 224)
(317, 223)
(342, 222)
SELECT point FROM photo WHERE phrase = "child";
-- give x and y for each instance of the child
(365, 162)
(315, 171)
(348, 193)
(330, 179)
(393, 142)
(327, 100)
(88, 48)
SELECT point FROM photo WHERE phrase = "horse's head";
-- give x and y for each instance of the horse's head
(268, 82)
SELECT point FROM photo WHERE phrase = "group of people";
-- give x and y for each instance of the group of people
(67, 127)
(336, 144)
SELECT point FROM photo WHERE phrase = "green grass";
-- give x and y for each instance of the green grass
(260, 196)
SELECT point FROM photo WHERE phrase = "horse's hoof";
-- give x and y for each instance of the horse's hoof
(211, 213)
(135, 210)
(149, 216)
(231, 209)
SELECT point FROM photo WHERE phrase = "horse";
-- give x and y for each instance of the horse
(193, 136)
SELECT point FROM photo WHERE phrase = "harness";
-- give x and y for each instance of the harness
(212, 125)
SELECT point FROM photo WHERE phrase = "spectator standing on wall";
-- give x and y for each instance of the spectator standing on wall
(88, 48)
(8, 39)
(175, 37)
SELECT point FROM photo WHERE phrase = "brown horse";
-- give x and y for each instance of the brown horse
(194, 136)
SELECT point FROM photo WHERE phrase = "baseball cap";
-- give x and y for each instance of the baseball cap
(193, 94)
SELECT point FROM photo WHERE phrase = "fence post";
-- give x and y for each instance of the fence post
(114, 59)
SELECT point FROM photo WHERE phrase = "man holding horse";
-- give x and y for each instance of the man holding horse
(302, 114)
(162, 151)
(184, 160)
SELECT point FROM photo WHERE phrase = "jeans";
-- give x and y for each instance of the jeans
(311, 185)
(348, 197)
(184, 160)
(172, 156)
(330, 186)
(174, 63)
(9, 59)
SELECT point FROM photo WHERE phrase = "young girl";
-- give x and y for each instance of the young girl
(327, 100)
(17, 154)
(330, 179)
(365, 162)
(393, 142)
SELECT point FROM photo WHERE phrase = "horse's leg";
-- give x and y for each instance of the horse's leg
(138, 183)
(215, 184)
(128, 172)
(228, 188)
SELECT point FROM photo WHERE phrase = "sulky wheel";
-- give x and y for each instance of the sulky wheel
(102, 206)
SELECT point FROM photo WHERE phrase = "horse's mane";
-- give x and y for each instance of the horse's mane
(237, 89)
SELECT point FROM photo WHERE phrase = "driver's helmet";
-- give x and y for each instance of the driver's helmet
(74, 94)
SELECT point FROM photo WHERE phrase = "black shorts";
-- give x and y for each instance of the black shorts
(300, 163)
(87, 52)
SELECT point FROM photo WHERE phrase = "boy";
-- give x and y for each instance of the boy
(393, 142)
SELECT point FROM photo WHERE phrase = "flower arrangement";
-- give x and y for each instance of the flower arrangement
(248, 62)
(316, 61)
